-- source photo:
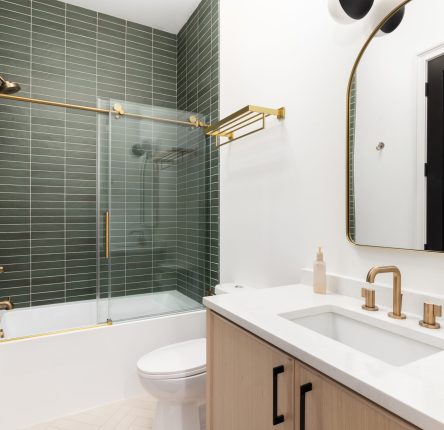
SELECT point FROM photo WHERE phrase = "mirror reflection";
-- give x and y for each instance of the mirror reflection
(396, 138)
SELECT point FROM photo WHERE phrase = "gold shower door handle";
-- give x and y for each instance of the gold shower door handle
(107, 234)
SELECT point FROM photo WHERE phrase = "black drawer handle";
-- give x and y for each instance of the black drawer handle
(277, 419)
(304, 390)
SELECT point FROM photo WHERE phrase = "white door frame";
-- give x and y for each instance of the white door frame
(421, 143)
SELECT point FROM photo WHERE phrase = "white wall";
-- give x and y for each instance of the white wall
(283, 190)
(387, 110)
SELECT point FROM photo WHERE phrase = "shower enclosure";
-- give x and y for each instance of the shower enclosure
(152, 201)
(153, 232)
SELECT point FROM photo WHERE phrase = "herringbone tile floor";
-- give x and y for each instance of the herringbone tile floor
(134, 414)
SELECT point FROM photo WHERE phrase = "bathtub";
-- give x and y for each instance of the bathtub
(62, 373)
(52, 318)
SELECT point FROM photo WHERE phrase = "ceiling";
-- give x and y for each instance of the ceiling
(166, 15)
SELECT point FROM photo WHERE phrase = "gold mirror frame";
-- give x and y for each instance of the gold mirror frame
(349, 93)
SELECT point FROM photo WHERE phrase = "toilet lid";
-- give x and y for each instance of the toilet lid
(178, 360)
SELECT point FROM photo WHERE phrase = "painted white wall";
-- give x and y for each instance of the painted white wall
(50, 377)
(387, 104)
(283, 190)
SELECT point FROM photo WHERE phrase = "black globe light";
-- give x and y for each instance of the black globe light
(393, 23)
(347, 11)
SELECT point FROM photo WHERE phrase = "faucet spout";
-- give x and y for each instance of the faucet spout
(6, 305)
(397, 293)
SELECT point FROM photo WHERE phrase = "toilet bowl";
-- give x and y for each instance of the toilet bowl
(175, 376)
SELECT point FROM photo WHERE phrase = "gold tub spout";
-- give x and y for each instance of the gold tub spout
(397, 294)
(6, 305)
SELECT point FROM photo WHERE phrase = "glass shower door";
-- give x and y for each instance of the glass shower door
(147, 164)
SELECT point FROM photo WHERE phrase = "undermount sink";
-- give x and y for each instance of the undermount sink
(381, 343)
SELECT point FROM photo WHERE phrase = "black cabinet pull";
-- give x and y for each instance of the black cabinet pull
(304, 390)
(277, 419)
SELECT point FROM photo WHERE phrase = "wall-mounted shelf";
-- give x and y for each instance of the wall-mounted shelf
(250, 119)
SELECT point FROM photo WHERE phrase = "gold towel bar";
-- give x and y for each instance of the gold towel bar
(242, 119)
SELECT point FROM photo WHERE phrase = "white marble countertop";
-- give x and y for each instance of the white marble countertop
(414, 391)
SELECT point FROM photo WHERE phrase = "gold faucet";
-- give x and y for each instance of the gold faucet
(397, 294)
(6, 305)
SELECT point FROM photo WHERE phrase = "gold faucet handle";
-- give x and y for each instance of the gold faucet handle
(2, 269)
(6, 304)
(369, 295)
(431, 311)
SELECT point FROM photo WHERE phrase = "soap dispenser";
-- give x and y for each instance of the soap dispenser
(319, 274)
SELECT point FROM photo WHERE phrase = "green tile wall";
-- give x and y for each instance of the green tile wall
(48, 155)
(198, 177)
(144, 236)
(351, 171)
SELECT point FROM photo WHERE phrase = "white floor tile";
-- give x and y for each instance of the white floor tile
(133, 414)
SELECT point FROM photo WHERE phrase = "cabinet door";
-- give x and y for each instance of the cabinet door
(330, 406)
(250, 385)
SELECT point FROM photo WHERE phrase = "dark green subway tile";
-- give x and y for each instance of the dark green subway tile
(137, 76)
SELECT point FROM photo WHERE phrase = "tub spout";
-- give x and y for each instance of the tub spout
(6, 305)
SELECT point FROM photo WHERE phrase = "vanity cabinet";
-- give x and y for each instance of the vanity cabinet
(252, 385)
(330, 406)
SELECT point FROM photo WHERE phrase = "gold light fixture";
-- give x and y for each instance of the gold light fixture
(249, 119)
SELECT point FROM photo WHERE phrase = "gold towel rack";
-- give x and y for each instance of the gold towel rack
(244, 118)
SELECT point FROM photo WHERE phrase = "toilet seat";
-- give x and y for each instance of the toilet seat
(179, 360)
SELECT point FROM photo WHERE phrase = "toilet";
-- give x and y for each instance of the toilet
(175, 376)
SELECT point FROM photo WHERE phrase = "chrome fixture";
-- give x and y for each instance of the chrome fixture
(6, 305)
(380, 146)
(397, 294)
(369, 295)
(431, 311)
(7, 87)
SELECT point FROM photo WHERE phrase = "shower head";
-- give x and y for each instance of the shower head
(139, 149)
(7, 87)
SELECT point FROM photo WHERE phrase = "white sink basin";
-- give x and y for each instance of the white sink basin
(358, 332)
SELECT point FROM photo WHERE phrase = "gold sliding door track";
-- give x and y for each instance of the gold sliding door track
(117, 110)
(227, 128)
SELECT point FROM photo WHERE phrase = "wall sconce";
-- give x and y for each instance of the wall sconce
(392, 24)
(348, 11)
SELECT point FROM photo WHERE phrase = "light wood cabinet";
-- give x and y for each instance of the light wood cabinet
(241, 385)
(251, 383)
(329, 405)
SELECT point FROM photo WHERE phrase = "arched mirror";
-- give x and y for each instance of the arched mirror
(395, 132)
